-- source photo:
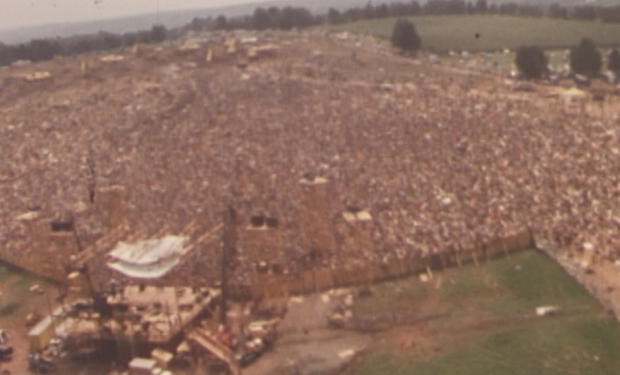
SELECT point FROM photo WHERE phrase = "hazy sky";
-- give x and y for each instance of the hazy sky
(14, 13)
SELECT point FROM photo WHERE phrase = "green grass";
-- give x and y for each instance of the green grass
(457, 32)
(14, 286)
(390, 296)
(531, 278)
(5, 271)
(492, 327)
(586, 345)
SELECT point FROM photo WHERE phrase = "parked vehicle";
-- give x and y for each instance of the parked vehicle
(6, 353)
(40, 364)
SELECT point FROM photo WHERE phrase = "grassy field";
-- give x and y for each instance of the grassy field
(458, 32)
(481, 320)
(16, 302)
(14, 293)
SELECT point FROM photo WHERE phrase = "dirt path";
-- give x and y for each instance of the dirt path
(600, 279)
(306, 345)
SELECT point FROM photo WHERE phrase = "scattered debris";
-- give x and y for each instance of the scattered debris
(142, 366)
(347, 353)
(162, 357)
(336, 320)
(325, 298)
(581, 80)
(36, 288)
(547, 310)
(524, 87)
(112, 58)
(32, 319)
(21, 63)
(189, 47)
(38, 76)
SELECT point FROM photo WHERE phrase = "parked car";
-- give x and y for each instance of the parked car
(6, 353)
(40, 364)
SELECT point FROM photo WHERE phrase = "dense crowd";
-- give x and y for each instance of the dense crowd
(440, 160)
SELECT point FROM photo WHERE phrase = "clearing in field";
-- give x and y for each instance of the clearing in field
(21, 294)
(458, 32)
(482, 320)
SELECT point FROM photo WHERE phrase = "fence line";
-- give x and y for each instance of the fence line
(322, 278)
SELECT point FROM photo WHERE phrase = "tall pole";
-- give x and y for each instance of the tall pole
(229, 245)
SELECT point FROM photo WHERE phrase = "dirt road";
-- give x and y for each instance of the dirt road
(306, 345)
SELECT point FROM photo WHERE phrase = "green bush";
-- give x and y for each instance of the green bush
(613, 61)
(585, 58)
(531, 62)
(405, 36)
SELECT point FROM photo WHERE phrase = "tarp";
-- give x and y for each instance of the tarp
(148, 259)
(148, 252)
(152, 271)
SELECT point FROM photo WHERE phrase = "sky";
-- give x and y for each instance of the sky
(19, 13)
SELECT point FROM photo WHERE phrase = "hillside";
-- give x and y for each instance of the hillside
(458, 32)
(563, 2)
(442, 158)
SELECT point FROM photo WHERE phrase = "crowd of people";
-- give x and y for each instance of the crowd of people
(440, 160)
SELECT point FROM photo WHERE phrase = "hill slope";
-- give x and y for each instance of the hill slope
(442, 158)
(446, 33)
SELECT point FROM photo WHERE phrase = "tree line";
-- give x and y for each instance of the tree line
(45, 49)
(584, 59)
(447, 7)
(292, 17)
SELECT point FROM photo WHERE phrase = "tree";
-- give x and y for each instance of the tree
(585, 12)
(613, 61)
(7, 55)
(414, 8)
(558, 11)
(80, 44)
(198, 24)
(445, 7)
(221, 22)
(509, 8)
(530, 10)
(405, 36)
(382, 11)
(369, 11)
(41, 49)
(531, 62)
(296, 17)
(470, 8)
(261, 19)
(129, 39)
(109, 40)
(158, 33)
(609, 14)
(481, 6)
(585, 58)
(334, 16)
